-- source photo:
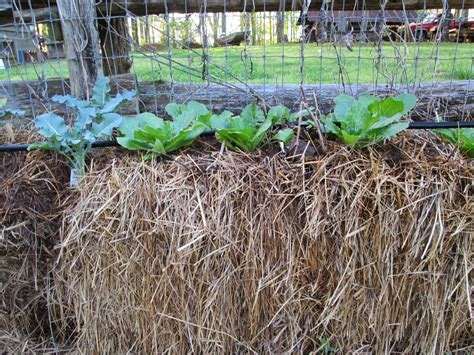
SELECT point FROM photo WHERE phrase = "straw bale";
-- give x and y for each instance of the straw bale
(353, 251)
(31, 185)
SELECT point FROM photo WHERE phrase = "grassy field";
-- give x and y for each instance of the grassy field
(278, 64)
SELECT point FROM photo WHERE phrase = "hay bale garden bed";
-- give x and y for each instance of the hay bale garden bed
(351, 250)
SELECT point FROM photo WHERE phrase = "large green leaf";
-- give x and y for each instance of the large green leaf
(106, 125)
(356, 120)
(163, 134)
(409, 102)
(133, 144)
(383, 133)
(130, 124)
(47, 145)
(238, 138)
(285, 135)
(386, 108)
(222, 121)
(295, 116)
(183, 121)
(174, 110)
(51, 125)
(84, 117)
(113, 104)
(329, 125)
(197, 107)
(392, 130)
(279, 113)
(69, 101)
(366, 100)
(8, 113)
(100, 91)
(251, 115)
(261, 132)
(185, 137)
(343, 104)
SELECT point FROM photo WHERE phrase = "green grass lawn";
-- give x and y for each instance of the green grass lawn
(278, 64)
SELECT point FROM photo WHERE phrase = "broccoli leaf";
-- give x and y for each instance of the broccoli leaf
(100, 92)
(51, 125)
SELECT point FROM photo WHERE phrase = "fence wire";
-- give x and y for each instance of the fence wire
(231, 57)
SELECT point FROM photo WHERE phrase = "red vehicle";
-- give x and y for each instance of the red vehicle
(423, 30)
(463, 30)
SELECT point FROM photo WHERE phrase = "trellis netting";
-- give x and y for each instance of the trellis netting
(227, 54)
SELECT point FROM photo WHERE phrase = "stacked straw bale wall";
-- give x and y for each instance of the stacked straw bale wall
(352, 251)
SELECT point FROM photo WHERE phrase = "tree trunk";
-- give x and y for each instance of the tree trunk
(445, 27)
(224, 23)
(280, 26)
(214, 26)
(253, 24)
(363, 27)
(115, 43)
(82, 48)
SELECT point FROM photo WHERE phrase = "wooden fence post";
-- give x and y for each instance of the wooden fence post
(81, 40)
(115, 42)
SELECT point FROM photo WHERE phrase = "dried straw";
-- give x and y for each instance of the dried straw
(31, 186)
(354, 250)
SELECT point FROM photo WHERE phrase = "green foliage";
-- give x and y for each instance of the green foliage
(249, 130)
(462, 137)
(93, 120)
(153, 134)
(7, 113)
(367, 120)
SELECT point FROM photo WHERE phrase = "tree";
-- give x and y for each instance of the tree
(253, 22)
(214, 23)
(280, 24)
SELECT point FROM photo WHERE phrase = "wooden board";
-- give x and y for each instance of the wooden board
(451, 100)
(138, 7)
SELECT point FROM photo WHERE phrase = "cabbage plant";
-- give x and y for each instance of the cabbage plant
(368, 120)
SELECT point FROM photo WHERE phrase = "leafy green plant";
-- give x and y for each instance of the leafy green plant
(367, 120)
(153, 134)
(92, 121)
(6, 113)
(249, 130)
(462, 137)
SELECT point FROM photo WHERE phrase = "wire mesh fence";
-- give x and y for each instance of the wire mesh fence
(228, 53)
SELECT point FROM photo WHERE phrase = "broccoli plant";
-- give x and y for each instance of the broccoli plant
(462, 137)
(249, 130)
(7, 113)
(367, 120)
(157, 136)
(92, 121)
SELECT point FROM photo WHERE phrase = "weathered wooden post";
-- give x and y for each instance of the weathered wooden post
(115, 42)
(81, 41)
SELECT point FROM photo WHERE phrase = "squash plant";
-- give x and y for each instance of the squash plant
(92, 121)
(249, 130)
(367, 120)
(157, 136)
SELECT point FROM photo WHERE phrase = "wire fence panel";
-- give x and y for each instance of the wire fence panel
(227, 53)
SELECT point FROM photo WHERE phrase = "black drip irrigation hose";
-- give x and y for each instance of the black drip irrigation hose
(113, 143)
